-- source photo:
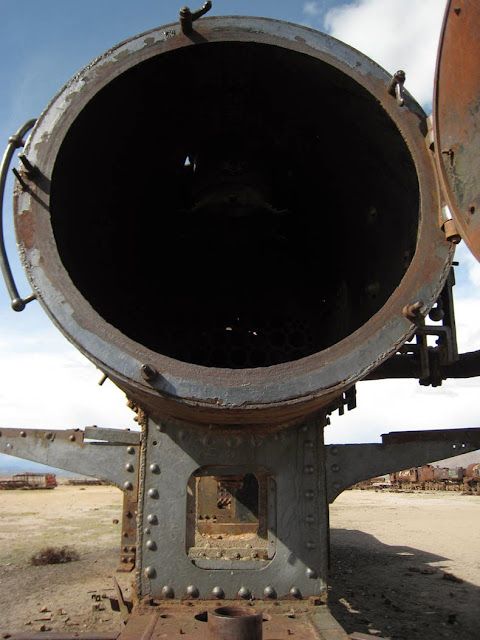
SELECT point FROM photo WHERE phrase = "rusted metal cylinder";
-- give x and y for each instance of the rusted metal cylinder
(234, 623)
(231, 223)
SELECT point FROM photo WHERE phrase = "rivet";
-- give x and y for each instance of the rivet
(129, 466)
(336, 485)
(154, 468)
(130, 450)
(23, 434)
(218, 592)
(149, 373)
(334, 451)
(168, 591)
(192, 591)
(311, 545)
(152, 518)
(125, 534)
(49, 435)
(151, 545)
(335, 467)
(150, 572)
(308, 444)
(147, 531)
(153, 493)
(71, 438)
(244, 593)
(295, 592)
(311, 574)
(128, 486)
(304, 428)
(309, 494)
(124, 559)
(269, 592)
(125, 549)
(308, 469)
(309, 519)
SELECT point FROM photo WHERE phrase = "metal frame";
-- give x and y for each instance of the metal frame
(295, 459)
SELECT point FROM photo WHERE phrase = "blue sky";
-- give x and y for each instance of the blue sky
(46, 383)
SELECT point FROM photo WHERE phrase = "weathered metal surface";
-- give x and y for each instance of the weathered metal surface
(128, 540)
(299, 377)
(281, 620)
(350, 463)
(67, 450)
(456, 106)
(288, 556)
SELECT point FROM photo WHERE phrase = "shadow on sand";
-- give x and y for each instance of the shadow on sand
(401, 592)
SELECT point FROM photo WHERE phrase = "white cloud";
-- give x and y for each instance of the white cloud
(398, 34)
(312, 9)
(56, 388)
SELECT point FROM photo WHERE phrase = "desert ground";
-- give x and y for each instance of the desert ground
(403, 565)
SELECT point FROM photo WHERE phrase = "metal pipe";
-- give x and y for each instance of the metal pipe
(234, 623)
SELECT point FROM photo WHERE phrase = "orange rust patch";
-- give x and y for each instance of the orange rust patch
(26, 229)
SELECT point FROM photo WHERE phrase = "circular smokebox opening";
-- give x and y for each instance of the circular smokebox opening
(235, 205)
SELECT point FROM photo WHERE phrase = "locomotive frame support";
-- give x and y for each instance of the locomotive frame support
(303, 475)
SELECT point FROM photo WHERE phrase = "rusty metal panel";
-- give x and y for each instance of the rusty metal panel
(189, 620)
(456, 105)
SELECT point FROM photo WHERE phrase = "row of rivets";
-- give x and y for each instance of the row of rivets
(218, 592)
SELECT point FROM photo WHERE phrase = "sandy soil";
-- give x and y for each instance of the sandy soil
(390, 555)
(406, 564)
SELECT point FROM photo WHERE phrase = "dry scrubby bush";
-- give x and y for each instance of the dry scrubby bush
(54, 555)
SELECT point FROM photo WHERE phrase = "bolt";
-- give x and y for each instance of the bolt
(146, 531)
(334, 451)
(311, 574)
(153, 493)
(150, 572)
(30, 170)
(192, 591)
(309, 519)
(308, 469)
(269, 592)
(23, 434)
(149, 373)
(295, 592)
(218, 592)
(168, 591)
(311, 545)
(71, 438)
(129, 466)
(152, 518)
(335, 467)
(308, 494)
(308, 444)
(124, 559)
(413, 311)
(130, 450)
(125, 534)
(244, 593)
(151, 545)
(154, 468)
(128, 486)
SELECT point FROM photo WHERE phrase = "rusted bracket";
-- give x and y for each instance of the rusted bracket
(112, 460)
(350, 463)
(188, 17)
(395, 87)
(431, 365)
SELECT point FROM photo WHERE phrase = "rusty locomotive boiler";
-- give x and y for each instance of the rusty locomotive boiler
(237, 219)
